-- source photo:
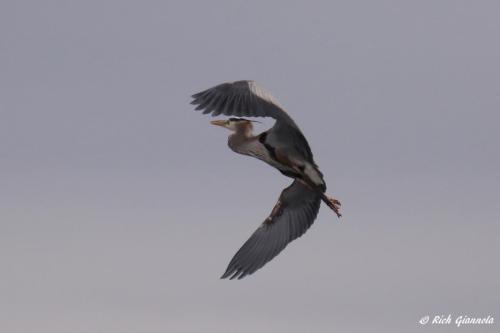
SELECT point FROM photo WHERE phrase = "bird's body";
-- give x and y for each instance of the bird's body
(252, 147)
(283, 147)
(266, 147)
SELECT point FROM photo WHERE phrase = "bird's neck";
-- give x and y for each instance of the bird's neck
(238, 139)
(243, 131)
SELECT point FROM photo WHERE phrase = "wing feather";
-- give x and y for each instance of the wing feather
(257, 102)
(300, 207)
(247, 98)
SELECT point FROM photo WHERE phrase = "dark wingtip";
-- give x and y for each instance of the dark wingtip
(226, 274)
(198, 94)
(234, 273)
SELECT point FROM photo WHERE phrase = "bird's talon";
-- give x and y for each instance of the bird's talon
(335, 206)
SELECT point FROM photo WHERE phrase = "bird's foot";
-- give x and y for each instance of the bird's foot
(334, 204)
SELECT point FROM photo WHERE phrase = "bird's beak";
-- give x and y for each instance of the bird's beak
(218, 123)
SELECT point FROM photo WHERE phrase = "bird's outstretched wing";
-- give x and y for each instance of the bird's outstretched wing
(294, 213)
(239, 98)
(248, 99)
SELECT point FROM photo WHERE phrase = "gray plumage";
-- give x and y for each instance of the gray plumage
(285, 148)
(246, 98)
(300, 207)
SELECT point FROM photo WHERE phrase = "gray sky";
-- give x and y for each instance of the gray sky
(120, 207)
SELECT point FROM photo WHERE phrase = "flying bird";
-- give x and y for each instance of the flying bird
(283, 147)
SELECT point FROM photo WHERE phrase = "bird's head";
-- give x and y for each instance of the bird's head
(235, 124)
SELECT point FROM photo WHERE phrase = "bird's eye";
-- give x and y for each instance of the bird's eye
(228, 122)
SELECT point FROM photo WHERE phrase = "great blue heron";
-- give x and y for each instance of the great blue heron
(285, 148)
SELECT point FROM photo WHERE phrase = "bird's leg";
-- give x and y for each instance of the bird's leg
(331, 202)
(334, 204)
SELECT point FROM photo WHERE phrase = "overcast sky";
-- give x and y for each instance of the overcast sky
(120, 206)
